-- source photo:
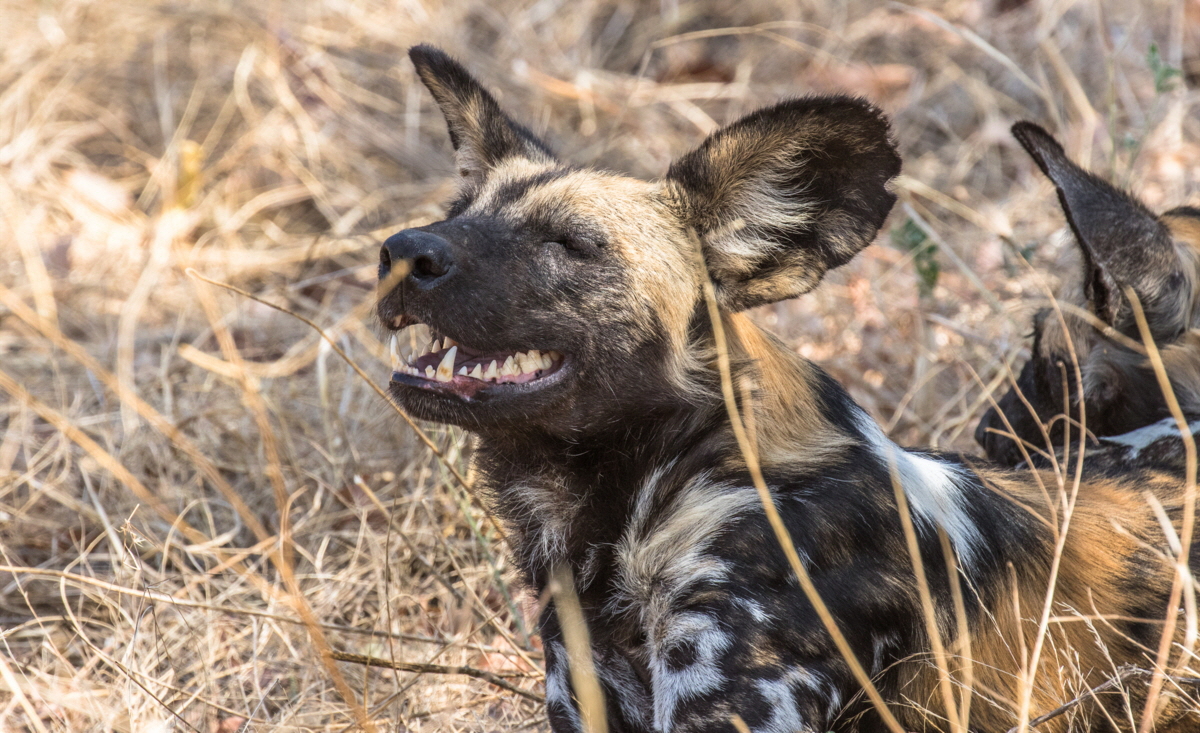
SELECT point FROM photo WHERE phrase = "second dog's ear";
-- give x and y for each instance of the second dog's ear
(481, 133)
(1123, 243)
(785, 194)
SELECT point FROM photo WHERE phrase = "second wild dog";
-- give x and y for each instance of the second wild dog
(1116, 395)
(571, 335)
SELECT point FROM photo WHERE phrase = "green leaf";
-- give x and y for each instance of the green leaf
(1164, 73)
(908, 237)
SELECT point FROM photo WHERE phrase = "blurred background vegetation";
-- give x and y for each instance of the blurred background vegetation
(161, 434)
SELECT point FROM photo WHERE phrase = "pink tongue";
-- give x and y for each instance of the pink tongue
(468, 386)
(464, 386)
(520, 378)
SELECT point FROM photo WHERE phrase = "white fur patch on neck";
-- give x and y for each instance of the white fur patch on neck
(662, 555)
(1142, 438)
(934, 489)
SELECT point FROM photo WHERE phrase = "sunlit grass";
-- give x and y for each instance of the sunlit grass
(157, 429)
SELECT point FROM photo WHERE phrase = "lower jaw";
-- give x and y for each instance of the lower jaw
(464, 388)
(468, 392)
(485, 412)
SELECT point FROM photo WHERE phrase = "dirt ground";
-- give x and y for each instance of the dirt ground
(200, 499)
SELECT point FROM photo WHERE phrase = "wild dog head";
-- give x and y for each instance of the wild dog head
(563, 298)
(1122, 245)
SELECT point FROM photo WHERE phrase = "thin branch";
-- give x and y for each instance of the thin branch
(417, 668)
(159, 597)
(1123, 674)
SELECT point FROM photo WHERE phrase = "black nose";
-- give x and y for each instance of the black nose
(429, 256)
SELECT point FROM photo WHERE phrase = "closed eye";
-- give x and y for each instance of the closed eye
(580, 245)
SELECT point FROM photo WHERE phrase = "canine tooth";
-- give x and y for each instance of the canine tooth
(462, 371)
(429, 372)
(491, 372)
(507, 370)
(445, 370)
(394, 352)
(477, 372)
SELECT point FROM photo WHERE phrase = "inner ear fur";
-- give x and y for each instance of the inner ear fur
(482, 135)
(785, 194)
(1123, 243)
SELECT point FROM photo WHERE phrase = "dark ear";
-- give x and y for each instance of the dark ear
(481, 133)
(1124, 244)
(787, 193)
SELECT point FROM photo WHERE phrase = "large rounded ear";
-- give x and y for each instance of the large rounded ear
(1123, 243)
(481, 133)
(785, 194)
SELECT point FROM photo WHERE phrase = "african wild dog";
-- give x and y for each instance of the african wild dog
(571, 335)
(1122, 245)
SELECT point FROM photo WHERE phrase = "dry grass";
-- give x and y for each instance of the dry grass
(273, 148)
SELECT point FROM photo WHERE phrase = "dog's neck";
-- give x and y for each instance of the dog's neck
(565, 496)
(561, 499)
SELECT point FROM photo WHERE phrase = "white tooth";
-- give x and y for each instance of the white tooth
(462, 371)
(394, 352)
(477, 372)
(507, 370)
(416, 335)
(445, 370)
(429, 372)
(491, 372)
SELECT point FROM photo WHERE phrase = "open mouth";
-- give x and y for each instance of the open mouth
(443, 364)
